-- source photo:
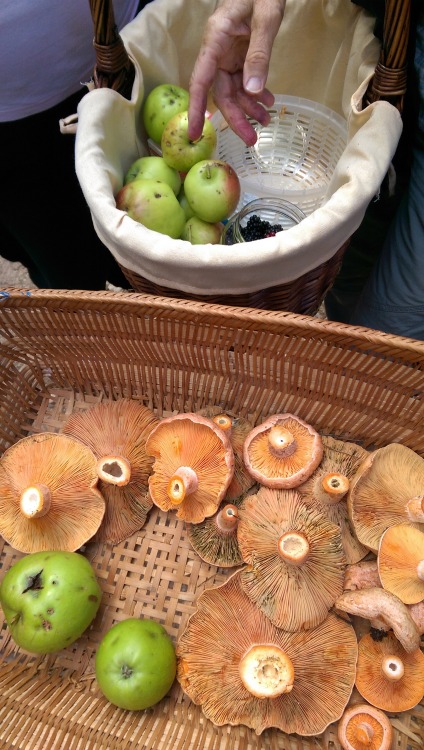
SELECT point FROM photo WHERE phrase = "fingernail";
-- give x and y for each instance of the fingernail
(254, 85)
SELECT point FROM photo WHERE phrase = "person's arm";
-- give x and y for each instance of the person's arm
(233, 62)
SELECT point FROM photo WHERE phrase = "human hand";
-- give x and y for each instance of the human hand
(233, 62)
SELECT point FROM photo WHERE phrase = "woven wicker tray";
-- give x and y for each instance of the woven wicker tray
(64, 351)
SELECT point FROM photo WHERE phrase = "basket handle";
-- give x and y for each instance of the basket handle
(115, 70)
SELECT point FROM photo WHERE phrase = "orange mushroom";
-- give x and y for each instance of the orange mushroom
(243, 670)
(116, 432)
(215, 538)
(283, 451)
(48, 494)
(294, 555)
(329, 485)
(401, 562)
(386, 490)
(387, 676)
(364, 727)
(193, 466)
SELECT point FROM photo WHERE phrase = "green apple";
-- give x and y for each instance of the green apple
(154, 204)
(49, 599)
(212, 189)
(182, 199)
(160, 105)
(154, 168)
(200, 232)
(177, 148)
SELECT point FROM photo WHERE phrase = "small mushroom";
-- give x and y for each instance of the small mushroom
(401, 562)
(116, 432)
(193, 466)
(385, 611)
(283, 451)
(294, 555)
(387, 676)
(215, 538)
(386, 490)
(48, 494)
(364, 727)
(329, 485)
(243, 670)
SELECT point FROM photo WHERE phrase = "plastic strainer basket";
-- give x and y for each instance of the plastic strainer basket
(294, 157)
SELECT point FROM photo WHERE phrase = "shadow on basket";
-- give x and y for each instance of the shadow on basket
(327, 150)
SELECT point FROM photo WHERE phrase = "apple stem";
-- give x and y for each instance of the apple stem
(208, 171)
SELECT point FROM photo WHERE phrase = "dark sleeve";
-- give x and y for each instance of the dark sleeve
(376, 8)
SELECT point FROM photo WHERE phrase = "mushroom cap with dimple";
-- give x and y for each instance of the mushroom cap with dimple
(386, 490)
(400, 562)
(287, 465)
(116, 432)
(364, 726)
(293, 596)
(194, 442)
(225, 627)
(66, 471)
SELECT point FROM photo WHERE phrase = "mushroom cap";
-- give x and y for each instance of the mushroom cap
(225, 627)
(294, 597)
(381, 489)
(119, 429)
(215, 538)
(375, 660)
(363, 726)
(284, 466)
(401, 562)
(66, 470)
(195, 442)
(341, 457)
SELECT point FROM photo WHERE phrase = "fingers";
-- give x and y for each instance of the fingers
(266, 20)
(236, 106)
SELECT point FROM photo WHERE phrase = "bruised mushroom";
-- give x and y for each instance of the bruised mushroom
(364, 727)
(193, 466)
(48, 494)
(116, 432)
(401, 562)
(329, 485)
(243, 670)
(215, 538)
(386, 490)
(294, 555)
(387, 676)
(283, 451)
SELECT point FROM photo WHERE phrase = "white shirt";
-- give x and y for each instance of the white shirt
(46, 51)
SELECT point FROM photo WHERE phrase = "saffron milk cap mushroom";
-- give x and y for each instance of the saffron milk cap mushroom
(48, 494)
(364, 727)
(401, 562)
(193, 466)
(283, 451)
(116, 432)
(242, 669)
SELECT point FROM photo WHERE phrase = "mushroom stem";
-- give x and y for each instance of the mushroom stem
(267, 671)
(114, 470)
(35, 501)
(281, 441)
(227, 518)
(293, 547)
(182, 483)
(364, 733)
(223, 421)
(415, 509)
(392, 668)
(330, 488)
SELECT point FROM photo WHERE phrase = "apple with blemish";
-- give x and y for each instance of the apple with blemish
(154, 168)
(178, 150)
(162, 103)
(154, 204)
(212, 189)
(200, 232)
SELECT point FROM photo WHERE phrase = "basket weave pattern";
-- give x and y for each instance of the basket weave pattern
(66, 351)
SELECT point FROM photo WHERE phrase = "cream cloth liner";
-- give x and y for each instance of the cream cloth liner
(326, 52)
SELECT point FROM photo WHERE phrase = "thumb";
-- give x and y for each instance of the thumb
(266, 21)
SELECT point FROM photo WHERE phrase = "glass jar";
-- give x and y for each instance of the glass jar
(261, 218)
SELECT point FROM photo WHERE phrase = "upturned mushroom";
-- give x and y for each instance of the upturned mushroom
(116, 432)
(294, 558)
(387, 676)
(215, 538)
(48, 494)
(329, 485)
(364, 727)
(386, 490)
(401, 562)
(193, 466)
(242, 669)
(283, 451)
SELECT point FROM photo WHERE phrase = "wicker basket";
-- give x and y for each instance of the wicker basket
(64, 351)
(303, 295)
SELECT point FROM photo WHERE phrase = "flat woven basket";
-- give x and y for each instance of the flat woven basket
(62, 352)
(304, 294)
